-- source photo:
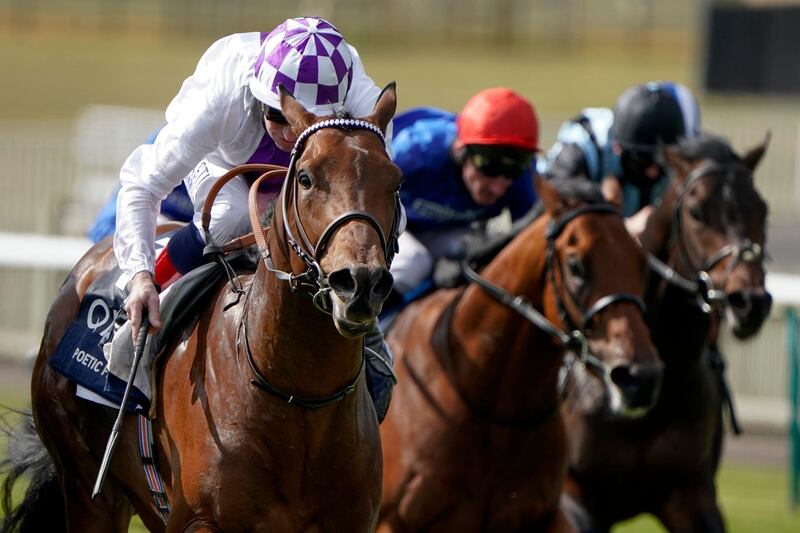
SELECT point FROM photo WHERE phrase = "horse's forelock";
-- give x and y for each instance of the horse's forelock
(580, 189)
(707, 146)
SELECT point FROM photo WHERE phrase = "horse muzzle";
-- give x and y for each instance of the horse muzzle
(747, 310)
(357, 296)
(638, 386)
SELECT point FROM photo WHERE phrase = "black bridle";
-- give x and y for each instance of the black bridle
(575, 339)
(741, 251)
(313, 280)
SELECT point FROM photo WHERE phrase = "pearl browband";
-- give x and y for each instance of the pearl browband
(341, 123)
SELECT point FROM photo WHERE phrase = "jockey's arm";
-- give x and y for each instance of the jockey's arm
(198, 118)
(612, 191)
(636, 223)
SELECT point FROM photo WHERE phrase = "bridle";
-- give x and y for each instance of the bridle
(741, 251)
(313, 280)
(575, 339)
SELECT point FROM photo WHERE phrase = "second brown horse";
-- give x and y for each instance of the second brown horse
(473, 440)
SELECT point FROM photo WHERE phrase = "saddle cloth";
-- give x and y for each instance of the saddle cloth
(96, 351)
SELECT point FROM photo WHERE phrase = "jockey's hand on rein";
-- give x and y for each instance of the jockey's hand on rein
(142, 294)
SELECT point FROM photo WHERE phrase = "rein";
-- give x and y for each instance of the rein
(574, 340)
(701, 286)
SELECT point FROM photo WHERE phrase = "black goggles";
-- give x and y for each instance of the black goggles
(273, 115)
(494, 162)
(640, 158)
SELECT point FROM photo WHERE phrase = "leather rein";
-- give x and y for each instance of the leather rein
(575, 339)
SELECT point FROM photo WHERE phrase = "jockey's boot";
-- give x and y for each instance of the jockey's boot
(380, 375)
(183, 253)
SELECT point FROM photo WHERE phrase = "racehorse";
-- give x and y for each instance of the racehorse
(707, 238)
(473, 440)
(263, 419)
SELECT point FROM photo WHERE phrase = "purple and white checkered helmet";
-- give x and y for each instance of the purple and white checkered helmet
(311, 59)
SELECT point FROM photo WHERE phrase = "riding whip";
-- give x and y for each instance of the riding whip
(138, 350)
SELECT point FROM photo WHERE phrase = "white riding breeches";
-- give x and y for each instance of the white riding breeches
(229, 215)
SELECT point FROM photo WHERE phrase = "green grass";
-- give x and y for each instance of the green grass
(752, 500)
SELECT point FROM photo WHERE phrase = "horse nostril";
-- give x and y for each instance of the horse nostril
(383, 285)
(342, 281)
(739, 301)
(747, 302)
(638, 383)
(622, 378)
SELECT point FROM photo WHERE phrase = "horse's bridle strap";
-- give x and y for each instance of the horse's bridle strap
(225, 178)
(701, 286)
(305, 402)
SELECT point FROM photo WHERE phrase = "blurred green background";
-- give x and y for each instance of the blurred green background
(85, 81)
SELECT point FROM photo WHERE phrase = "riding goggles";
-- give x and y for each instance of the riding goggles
(636, 162)
(499, 161)
(273, 115)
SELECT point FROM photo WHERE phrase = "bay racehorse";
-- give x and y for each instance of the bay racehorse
(473, 440)
(264, 421)
(707, 240)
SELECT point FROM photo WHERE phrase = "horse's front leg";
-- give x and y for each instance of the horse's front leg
(692, 509)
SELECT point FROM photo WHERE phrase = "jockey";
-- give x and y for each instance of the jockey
(459, 170)
(228, 113)
(618, 148)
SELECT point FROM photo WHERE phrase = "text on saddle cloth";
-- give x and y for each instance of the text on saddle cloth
(80, 355)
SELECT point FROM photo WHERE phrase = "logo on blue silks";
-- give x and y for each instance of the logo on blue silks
(79, 355)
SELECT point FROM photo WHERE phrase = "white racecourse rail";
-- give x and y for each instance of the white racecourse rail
(757, 369)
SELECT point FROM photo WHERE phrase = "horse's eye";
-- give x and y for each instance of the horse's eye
(305, 180)
(576, 268)
(696, 213)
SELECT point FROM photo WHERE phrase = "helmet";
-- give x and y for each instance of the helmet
(311, 59)
(648, 114)
(499, 116)
(689, 107)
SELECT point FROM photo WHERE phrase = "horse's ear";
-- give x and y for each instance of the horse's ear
(554, 203)
(385, 107)
(675, 161)
(297, 115)
(753, 156)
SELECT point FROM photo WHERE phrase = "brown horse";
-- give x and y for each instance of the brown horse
(710, 230)
(473, 440)
(302, 455)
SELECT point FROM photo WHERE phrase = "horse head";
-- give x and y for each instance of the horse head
(597, 274)
(717, 222)
(341, 199)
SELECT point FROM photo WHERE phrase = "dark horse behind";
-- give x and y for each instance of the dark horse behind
(236, 457)
(473, 440)
(708, 238)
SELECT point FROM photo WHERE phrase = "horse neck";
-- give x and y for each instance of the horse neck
(672, 309)
(291, 338)
(501, 362)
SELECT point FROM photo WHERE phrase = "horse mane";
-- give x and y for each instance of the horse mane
(707, 146)
(579, 189)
